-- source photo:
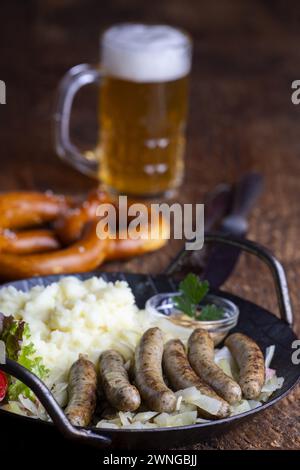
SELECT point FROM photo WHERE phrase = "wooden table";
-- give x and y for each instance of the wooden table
(241, 118)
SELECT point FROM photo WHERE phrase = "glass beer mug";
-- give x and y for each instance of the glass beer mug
(143, 80)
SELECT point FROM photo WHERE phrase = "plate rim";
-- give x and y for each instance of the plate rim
(110, 431)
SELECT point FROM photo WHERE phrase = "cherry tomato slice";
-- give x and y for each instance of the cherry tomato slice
(3, 385)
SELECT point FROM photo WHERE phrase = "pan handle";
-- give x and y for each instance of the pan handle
(265, 255)
(55, 412)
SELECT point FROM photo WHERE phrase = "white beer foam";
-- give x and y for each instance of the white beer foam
(144, 53)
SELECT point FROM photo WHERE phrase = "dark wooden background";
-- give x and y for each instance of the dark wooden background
(241, 117)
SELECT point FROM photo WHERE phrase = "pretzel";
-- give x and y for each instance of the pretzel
(21, 209)
(38, 252)
(28, 241)
(120, 249)
(84, 255)
(70, 224)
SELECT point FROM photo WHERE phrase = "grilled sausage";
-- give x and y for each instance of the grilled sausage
(181, 375)
(201, 357)
(82, 392)
(251, 362)
(148, 373)
(114, 380)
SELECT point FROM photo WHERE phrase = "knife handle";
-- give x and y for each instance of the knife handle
(246, 192)
(217, 204)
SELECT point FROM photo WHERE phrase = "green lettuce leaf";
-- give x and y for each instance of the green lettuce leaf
(11, 332)
(16, 336)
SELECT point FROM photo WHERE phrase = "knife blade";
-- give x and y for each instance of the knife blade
(222, 259)
(227, 207)
(217, 204)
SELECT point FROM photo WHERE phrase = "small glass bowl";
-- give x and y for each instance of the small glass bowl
(164, 304)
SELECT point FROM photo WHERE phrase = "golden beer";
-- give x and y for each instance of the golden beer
(142, 135)
(143, 79)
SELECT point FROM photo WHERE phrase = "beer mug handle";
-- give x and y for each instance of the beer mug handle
(73, 80)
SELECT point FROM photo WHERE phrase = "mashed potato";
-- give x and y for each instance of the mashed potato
(72, 316)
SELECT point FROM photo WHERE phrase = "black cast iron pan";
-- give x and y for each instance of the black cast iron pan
(260, 324)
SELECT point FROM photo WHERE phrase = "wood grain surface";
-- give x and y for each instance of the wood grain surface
(246, 55)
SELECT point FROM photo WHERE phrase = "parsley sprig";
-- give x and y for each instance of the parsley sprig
(192, 291)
